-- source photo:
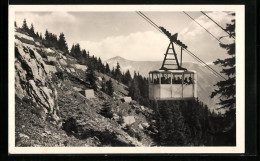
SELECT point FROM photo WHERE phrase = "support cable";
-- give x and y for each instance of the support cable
(187, 51)
(217, 24)
(203, 27)
(149, 21)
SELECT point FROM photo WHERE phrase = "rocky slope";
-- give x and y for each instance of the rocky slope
(50, 109)
(206, 79)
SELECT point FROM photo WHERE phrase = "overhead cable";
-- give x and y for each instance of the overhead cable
(187, 51)
(217, 24)
(203, 27)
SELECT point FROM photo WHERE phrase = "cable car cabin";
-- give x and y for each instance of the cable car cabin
(172, 85)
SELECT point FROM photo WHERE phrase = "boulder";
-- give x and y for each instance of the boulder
(21, 135)
(68, 70)
(51, 58)
(63, 62)
(80, 67)
(48, 50)
(72, 70)
(51, 68)
(99, 78)
(23, 36)
(145, 125)
(126, 99)
(133, 102)
(140, 126)
(134, 107)
(89, 93)
(128, 120)
(77, 89)
(115, 117)
(142, 108)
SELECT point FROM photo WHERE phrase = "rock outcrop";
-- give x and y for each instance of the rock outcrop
(51, 111)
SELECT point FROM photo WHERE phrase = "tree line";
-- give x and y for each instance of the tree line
(49, 39)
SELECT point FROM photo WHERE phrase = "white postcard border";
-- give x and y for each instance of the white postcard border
(240, 78)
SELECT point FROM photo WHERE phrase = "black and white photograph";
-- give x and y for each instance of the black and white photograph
(108, 78)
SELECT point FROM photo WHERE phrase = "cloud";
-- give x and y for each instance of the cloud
(147, 45)
(202, 43)
(55, 22)
(152, 45)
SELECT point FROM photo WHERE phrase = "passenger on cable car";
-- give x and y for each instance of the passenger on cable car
(163, 80)
(156, 80)
(174, 81)
(191, 81)
(168, 81)
(186, 81)
(179, 81)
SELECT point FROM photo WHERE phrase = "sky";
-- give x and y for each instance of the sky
(126, 34)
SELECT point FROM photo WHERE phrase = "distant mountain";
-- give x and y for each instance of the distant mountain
(206, 79)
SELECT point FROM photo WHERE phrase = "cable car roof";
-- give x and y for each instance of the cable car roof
(173, 71)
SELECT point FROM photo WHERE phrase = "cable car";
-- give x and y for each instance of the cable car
(171, 81)
(172, 85)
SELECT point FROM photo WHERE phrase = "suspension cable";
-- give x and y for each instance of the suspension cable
(203, 27)
(186, 50)
(217, 24)
(149, 21)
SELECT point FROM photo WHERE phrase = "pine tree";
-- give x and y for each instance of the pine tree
(106, 111)
(113, 72)
(110, 88)
(46, 35)
(72, 50)
(172, 127)
(226, 88)
(31, 31)
(107, 70)
(37, 34)
(25, 27)
(127, 78)
(41, 36)
(84, 57)
(91, 78)
(62, 44)
(84, 54)
(77, 52)
(118, 73)
(15, 25)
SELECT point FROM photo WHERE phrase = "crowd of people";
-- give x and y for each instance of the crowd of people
(178, 80)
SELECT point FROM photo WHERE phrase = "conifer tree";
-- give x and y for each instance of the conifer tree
(77, 51)
(37, 34)
(91, 78)
(46, 35)
(15, 25)
(110, 88)
(84, 54)
(62, 44)
(106, 111)
(118, 73)
(127, 78)
(31, 31)
(107, 70)
(41, 36)
(227, 88)
(25, 26)
(113, 72)
(72, 50)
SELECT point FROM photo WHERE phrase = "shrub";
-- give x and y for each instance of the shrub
(106, 111)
